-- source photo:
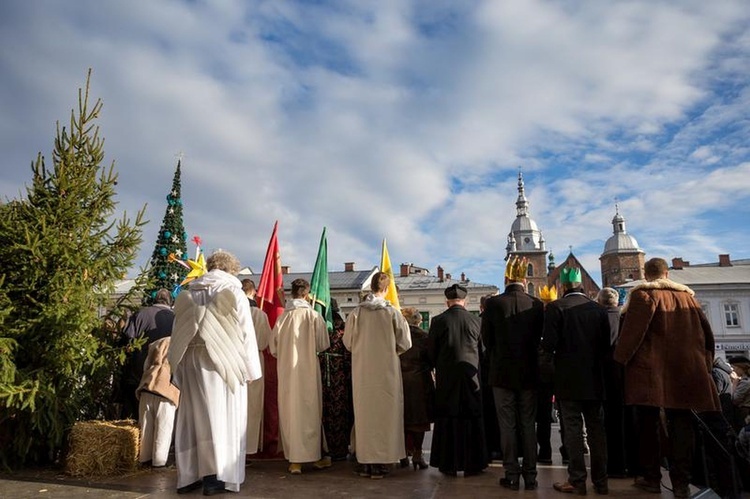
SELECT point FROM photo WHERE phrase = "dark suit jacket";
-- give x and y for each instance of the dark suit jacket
(512, 325)
(576, 336)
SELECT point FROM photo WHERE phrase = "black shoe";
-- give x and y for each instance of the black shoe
(509, 484)
(530, 485)
(448, 472)
(363, 470)
(212, 486)
(602, 490)
(189, 488)
(544, 460)
(378, 471)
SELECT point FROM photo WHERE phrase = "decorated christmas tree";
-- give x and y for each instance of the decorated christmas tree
(171, 245)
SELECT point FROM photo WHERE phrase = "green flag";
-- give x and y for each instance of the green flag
(320, 289)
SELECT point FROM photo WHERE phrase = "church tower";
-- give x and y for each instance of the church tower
(526, 240)
(622, 259)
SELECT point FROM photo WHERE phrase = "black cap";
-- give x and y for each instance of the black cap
(456, 292)
(739, 359)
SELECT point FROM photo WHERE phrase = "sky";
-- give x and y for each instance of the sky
(400, 119)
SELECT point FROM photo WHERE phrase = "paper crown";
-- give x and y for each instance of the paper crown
(548, 293)
(570, 275)
(516, 269)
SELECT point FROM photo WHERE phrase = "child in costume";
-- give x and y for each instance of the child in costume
(158, 404)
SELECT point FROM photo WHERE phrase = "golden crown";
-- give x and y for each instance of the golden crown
(548, 293)
(516, 269)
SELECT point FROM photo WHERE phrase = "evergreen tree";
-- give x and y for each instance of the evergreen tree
(164, 271)
(62, 251)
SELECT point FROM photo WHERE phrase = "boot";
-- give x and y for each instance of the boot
(418, 461)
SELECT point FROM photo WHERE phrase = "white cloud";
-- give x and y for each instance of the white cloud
(392, 119)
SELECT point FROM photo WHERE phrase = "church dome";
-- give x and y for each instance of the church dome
(620, 241)
(524, 223)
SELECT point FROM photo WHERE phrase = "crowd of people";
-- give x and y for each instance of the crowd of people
(626, 383)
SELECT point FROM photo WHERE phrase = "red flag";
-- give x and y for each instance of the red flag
(270, 298)
(270, 293)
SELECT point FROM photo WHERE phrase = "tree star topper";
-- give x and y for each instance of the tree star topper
(197, 266)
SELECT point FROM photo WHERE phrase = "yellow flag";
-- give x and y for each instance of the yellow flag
(385, 266)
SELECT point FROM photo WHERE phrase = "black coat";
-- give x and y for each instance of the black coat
(419, 388)
(512, 325)
(454, 343)
(577, 340)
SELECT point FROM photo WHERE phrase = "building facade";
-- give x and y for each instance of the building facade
(723, 290)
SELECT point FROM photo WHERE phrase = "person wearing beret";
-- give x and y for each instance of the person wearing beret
(458, 440)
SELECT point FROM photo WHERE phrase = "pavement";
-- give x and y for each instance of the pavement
(270, 479)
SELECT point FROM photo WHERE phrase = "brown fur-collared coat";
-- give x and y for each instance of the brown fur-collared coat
(667, 347)
(156, 373)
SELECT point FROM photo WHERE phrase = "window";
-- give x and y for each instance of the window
(731, 314)
(530, 270)
(530, 289)
(706, 307)
(425, 320)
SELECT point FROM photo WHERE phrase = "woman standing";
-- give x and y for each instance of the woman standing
(338, 413)
(419, 390)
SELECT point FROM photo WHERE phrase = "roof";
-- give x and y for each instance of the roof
(589, 284)
(736, 274)
(707, 274)
(353, 279)
(356, 279)
(428, 282)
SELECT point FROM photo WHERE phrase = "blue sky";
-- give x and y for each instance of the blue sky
(401, 119)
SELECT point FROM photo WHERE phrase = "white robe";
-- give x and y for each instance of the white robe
(156, 422)
(299, 334)
(255, 389)
(214, 354)
(376, 334)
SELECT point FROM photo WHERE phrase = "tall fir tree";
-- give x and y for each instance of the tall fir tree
(164, 271)
(62, 250)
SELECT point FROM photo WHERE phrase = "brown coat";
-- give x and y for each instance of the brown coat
(156, 373)
(667, 347)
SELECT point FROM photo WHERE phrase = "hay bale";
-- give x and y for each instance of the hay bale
(100, 448)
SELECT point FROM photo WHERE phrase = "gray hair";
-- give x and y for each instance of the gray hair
(608, 297)
(412, 316)
(223, 260)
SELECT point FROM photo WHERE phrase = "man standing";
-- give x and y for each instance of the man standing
(376, 333)
(299, 334)
(153, 323)
(667, 348)
(512, 325)
(213, 354)
(458, 441)
(255, 389)
(575, 345)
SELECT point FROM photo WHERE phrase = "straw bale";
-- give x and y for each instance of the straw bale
(100, 448)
